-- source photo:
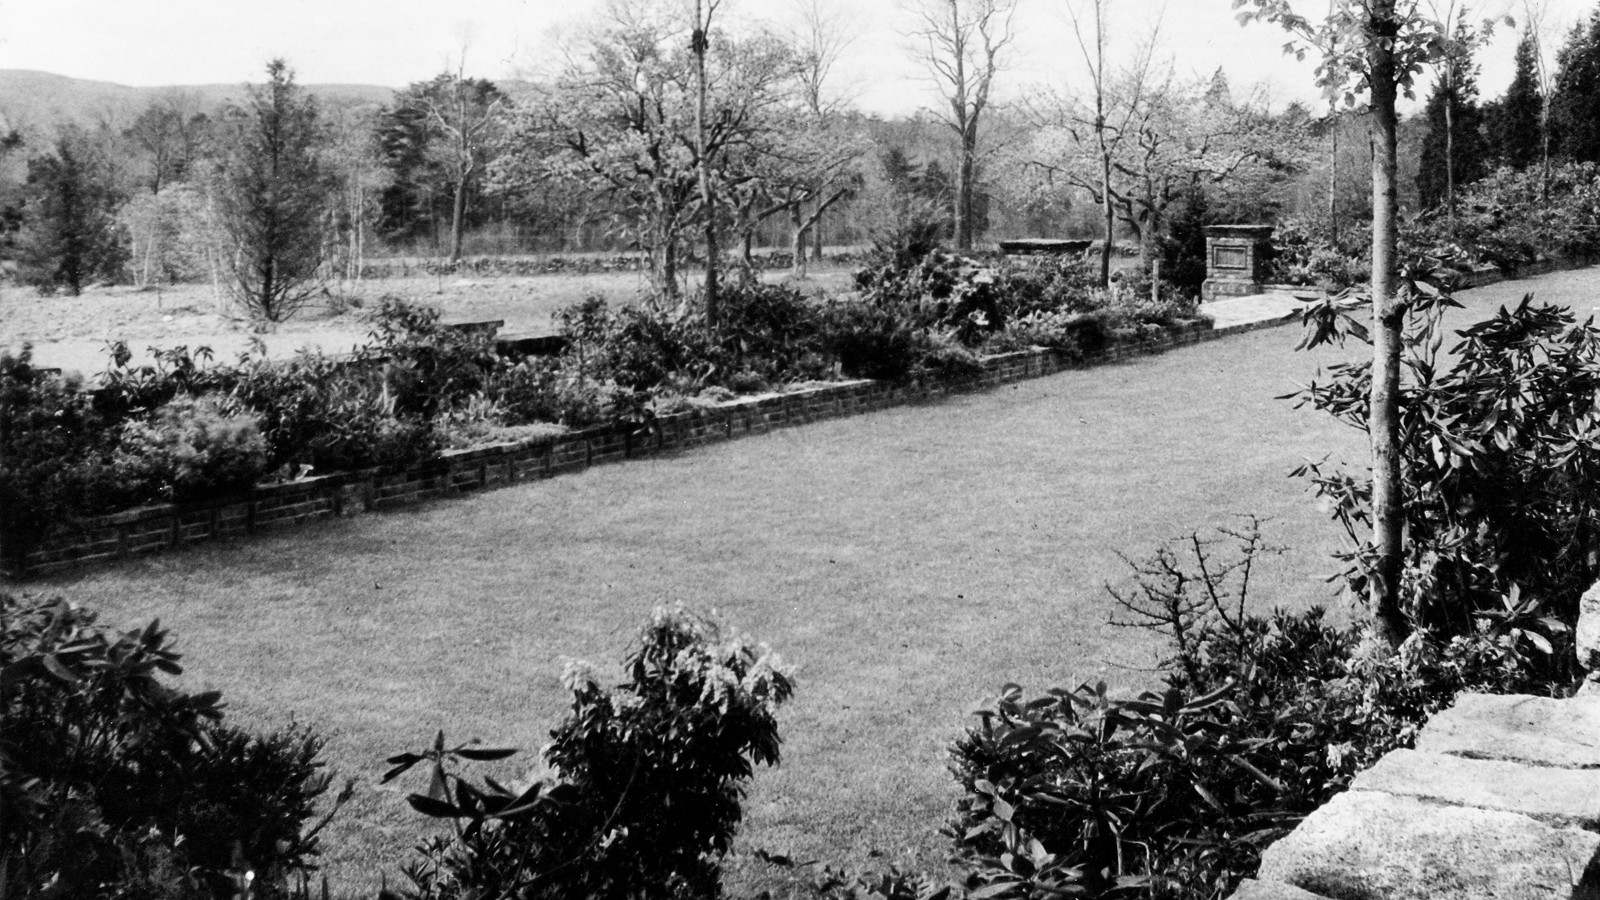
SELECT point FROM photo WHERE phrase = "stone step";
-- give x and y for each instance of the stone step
(1518, 727)
(1553, 796)
(1374, 845)
(1251, 889)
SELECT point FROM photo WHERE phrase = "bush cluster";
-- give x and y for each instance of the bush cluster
(1502, 486)
(644, 782)
(117, 785)
(1510, 218)
(913, 313)
(1175, 792)
(1506, 219)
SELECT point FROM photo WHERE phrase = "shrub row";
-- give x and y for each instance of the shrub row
(1507, 219)
(186, 427)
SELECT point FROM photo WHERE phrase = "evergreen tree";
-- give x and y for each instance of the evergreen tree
(273, 196)
(1454, 151)
(70, 234)
(1517, 127)
(1575, 108)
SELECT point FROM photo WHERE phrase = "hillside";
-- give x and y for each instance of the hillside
(36, 102)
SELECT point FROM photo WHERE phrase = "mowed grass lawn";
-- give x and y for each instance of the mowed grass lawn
(909, 562)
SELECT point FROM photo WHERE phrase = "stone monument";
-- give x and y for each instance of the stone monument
(1236, 260)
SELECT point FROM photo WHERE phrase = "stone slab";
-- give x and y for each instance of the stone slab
(1554, 796)
(1251, 889)
(1366, 844)
(1520, 727)
(1588, 631)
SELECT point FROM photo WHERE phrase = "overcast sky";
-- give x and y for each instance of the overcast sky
(394, 42)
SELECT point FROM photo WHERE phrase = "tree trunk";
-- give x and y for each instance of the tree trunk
(816, 239)
(458, 211)
(1450, 152)
(966, 171)
(1108, 214)
(1389, 620)
(1333, 186)
(797, 245)
(707, 198)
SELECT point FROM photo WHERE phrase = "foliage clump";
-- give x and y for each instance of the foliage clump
(1175, 792)
(644, 785)
(117, 785)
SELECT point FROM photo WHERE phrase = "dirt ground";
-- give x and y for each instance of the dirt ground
(71, 333)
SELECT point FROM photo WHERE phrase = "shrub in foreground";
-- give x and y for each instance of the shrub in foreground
(644, 785)
(1502, 487)
(116, 785)
(1175, 792)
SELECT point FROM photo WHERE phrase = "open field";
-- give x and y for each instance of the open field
(70, 332)
(910, 562)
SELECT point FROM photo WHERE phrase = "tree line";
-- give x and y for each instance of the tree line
(665, 137)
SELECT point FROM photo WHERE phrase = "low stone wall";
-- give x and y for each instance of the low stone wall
(164, 527)
(1500, 799)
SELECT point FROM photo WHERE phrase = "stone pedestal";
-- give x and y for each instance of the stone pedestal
(1236, 260)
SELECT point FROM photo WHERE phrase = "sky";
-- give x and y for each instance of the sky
(395, 42)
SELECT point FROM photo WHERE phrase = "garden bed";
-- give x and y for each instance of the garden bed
(170, 526)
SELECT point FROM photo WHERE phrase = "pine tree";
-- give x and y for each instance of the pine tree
(1454, 152)
(1575, 108)
(1517, 128)
(70, 234)
(273, 195)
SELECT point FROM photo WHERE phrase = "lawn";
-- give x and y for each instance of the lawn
(909, 562)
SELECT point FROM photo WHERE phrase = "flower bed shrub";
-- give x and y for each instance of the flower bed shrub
(184, 427)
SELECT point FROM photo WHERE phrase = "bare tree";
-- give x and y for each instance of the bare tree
(960, 42)
(699, 42)
(822, 35)
(468, 113)
(169, 131)
(1110, 128)
(1536, 14)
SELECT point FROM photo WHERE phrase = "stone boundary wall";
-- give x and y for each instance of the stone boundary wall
(162, 527)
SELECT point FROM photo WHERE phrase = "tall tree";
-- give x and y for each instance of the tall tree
(460, 119)
(1454, 153)
(1102, 122)
(960, 42)
(705, 12)
(354, 156)
(272, 192)
(1575, 106)
(70, 234)
(620, 124)
(1517, 130)
(169, 133)
(1374, 46)
(822, 35)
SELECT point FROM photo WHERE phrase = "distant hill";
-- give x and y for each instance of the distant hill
(38, 102)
